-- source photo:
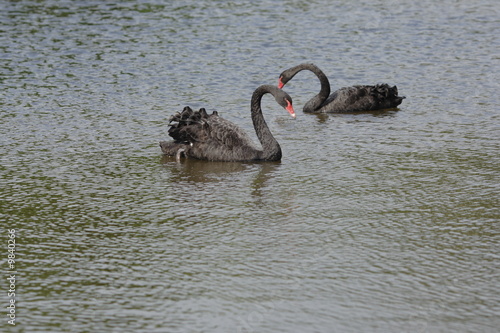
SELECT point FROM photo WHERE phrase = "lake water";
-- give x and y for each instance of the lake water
(376, 222)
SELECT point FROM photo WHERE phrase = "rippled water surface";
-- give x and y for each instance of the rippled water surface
(376, 222)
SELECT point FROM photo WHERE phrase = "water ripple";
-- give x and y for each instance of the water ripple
(384, 221)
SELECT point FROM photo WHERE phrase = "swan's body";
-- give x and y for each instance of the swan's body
(199, 135)
(349, 99)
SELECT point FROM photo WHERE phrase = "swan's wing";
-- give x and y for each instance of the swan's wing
(226, 133)
(198, 127)
(330, 98)
(362, 98)
(349, 95)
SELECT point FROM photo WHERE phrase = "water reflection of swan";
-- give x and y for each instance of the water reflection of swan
(208, 171)
(266, 172)
(199, 170)
(245, 187)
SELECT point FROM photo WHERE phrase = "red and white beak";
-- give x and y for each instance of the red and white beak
(280, 84)
(290, 109)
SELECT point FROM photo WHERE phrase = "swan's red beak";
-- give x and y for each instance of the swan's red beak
(280, 84)
(290, 109)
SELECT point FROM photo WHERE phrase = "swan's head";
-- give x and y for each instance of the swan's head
(288, 74)
(281, 84)
(285, 77)
(286, 102)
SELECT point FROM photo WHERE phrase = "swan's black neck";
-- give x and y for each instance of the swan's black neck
(271, 150)
(317, 101)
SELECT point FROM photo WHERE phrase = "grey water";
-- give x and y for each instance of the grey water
(375, 222)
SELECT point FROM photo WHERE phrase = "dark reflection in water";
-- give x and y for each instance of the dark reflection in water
(266, 172)
(324, 117)
(197, 171)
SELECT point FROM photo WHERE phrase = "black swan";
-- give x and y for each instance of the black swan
(348, 99)
(210, 137)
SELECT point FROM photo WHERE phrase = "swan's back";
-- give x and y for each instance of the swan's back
(362, 98)
(211, 137)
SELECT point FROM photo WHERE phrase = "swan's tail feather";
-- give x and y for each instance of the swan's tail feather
(386, 95)
(383, 90)
(189, 126)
